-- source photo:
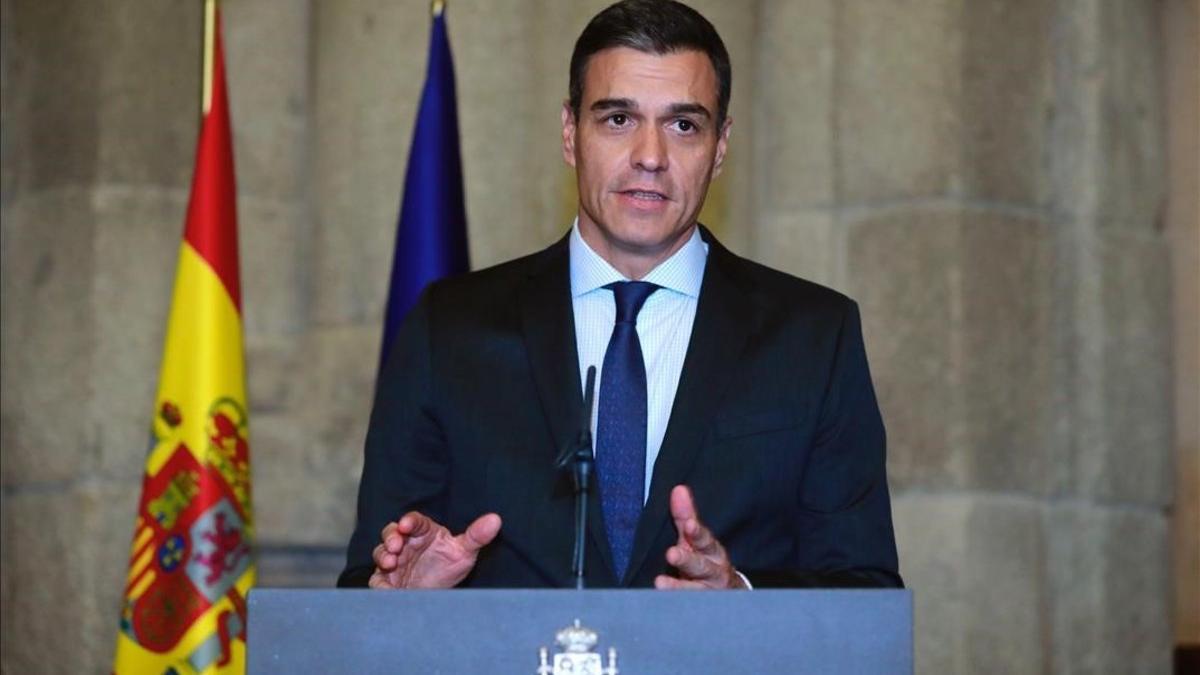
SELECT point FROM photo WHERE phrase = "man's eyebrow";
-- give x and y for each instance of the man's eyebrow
(688, 109)
(614, 103)
(630, 104)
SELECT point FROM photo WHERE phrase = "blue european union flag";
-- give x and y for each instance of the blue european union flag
(431, 238)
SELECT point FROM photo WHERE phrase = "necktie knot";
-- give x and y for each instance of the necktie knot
(630, 296)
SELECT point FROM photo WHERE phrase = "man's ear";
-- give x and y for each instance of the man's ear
(722, 146)
(568, 133)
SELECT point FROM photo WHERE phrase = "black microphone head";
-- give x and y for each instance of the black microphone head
(589, 395)
(581, 448)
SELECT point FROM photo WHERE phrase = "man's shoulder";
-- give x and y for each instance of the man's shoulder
(497, 283)
(785, 294)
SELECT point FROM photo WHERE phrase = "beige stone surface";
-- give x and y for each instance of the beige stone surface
(1122, 360)
(1006, 75)
(268, 52)
(1108, 589)
(1108, 154)
(65, 557)
(806, 243)
(904, 273)
(897, 122)
(976, 567)
(1137, 406)
(1130, 112)
(58, 56)
(274, 365)
(48, 342)
(364, 103)
(147, 104)
(14, 114)
(957, 307)
(308, 456)
(291, 504)
(793, 85)
(275, 266)
(1004, 352)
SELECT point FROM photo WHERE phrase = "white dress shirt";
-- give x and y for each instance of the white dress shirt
(664, 326)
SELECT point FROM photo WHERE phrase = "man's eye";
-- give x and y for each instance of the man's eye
(618, 120)
(686, 126)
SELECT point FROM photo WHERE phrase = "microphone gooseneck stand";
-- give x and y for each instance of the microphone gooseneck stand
(577, 456)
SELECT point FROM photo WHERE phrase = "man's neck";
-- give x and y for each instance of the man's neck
(632, 264)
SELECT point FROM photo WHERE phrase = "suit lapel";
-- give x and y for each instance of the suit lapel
(548, 324)
(723, 320)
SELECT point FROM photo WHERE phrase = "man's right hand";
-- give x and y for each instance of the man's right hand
(417, 552)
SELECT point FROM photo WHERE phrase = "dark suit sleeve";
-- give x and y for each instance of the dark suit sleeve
(405, 466)
(844, 530)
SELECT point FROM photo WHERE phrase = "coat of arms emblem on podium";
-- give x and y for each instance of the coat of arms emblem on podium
(577, 658)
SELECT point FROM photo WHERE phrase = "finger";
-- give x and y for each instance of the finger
(687, 522)
(379, 580)
(392, 540)
(701, 539)
(384, 559)
(415, 524)
(683, 506)
(693, 565)
(665, 583)
(480, 533)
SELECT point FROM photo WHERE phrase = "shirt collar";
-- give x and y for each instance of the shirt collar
(683, 272)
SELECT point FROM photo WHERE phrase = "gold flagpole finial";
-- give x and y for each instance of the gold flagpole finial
(210, 43)
(437, 7)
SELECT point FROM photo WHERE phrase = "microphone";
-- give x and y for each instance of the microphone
(584, 438)
(578, 457)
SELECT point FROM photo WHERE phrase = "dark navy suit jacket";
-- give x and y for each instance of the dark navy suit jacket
(775, 427)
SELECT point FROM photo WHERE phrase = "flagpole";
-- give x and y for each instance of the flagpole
(210, 33)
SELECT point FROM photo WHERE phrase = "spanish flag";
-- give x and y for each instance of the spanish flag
(191, 565)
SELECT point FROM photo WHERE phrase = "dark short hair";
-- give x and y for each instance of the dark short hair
(653, 27)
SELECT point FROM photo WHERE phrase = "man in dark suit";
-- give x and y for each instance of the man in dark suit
(738, 440)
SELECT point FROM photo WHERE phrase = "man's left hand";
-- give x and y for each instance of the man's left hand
(700, 559)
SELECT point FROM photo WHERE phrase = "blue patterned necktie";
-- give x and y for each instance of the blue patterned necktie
(621, 424)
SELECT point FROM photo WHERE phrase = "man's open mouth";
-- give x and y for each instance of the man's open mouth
(645, 194)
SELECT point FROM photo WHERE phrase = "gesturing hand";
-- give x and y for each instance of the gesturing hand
(418, 552)
(700, 559)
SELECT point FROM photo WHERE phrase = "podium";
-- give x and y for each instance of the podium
(651, 632)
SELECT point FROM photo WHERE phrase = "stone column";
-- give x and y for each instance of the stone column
(100, 109)
(1108, 562)
(985, 178)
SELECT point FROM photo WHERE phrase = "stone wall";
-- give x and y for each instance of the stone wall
(986, 179)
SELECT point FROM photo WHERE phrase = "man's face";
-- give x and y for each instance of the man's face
(644, 148)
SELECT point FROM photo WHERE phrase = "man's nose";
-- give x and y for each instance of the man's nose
(650, 150)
